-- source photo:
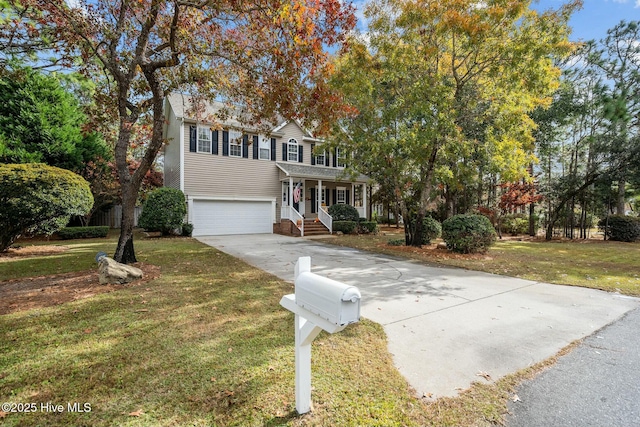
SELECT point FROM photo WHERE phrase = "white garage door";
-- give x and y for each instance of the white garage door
(217, 217)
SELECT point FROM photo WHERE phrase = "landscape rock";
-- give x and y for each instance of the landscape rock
(441, 245)
(112, 271)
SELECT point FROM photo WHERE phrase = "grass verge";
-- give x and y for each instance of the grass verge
(610, 266)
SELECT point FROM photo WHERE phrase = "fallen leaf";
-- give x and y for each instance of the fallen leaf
(213, 379)
(271, 368)
(484, 375)
(136, 413)
(3, 414)
(515, 398)
(229, 350)
(87, 331)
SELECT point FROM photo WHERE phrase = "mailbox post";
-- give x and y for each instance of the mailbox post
(319, 304)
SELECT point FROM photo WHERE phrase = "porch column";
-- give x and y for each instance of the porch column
(364, 200)
(290, 191)
(319, 196)
(352, 197)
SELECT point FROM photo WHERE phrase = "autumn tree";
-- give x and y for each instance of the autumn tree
(438, 86)
(265, 56)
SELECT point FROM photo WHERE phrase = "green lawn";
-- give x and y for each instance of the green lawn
(610, 266)
(205, 344)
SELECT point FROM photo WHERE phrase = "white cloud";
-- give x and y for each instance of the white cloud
(638, 3)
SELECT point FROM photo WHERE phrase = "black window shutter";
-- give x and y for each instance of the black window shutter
(335, 159)
(214, 142)
(326, 159)
(245, 146)
(335, 196)
(313, 199)
(300, 154)
(193, 138)
(273, 149)
(313, 155)
(255, 146)
(225, 142)
(284, 151)
(348, 200)
(326, 197)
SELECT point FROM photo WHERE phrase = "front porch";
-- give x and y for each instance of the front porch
(308, 192)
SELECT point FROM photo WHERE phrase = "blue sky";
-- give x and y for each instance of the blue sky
(596, 16)
(592, 22)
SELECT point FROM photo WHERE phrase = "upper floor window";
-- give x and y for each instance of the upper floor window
(235, 143)
(320, 159)
(340, 158)
(264, 148)
(204, 139)
(292, 150)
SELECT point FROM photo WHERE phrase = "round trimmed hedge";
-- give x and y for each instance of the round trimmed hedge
(163, 211)
(469, 233)
(342, 212)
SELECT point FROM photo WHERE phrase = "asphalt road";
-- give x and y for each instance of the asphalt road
(597, 384)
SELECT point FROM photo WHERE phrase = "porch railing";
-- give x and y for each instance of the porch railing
(290, 213)
(325, 219)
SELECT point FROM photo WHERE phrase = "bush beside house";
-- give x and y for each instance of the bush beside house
(163, 211)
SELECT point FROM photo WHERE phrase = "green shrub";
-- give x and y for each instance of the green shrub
(621, 228)
(468, 233)
(347, 227)
(187, 229)
(341, 212)
(396, 242)
(36, 198)
(515, 224)
(431, 229)
(163, 211)
(366, 227)
(83, 232)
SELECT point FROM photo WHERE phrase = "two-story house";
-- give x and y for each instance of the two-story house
(238, 180)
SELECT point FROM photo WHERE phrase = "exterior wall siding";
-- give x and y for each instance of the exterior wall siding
(172, 150)
(225, 176)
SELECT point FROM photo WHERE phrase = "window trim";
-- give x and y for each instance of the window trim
(207, 131)
(264, 141)
(340, 159)
(342, 190)
(291, 144)
(235, 141)
(323, 156)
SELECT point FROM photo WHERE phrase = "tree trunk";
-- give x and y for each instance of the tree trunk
(125, 252)
(621, 201)
(532, 223)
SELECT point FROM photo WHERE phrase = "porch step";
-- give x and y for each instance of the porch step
(312, 228)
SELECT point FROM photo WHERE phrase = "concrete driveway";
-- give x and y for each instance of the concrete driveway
(445, 326)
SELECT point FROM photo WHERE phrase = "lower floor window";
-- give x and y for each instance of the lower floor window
(341, 195)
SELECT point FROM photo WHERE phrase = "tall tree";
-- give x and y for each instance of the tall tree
(617, 56)
(266, 56)
(40, 121)
(435, 83)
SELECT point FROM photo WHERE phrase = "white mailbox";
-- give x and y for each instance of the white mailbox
(319, 303)
(333, 301)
